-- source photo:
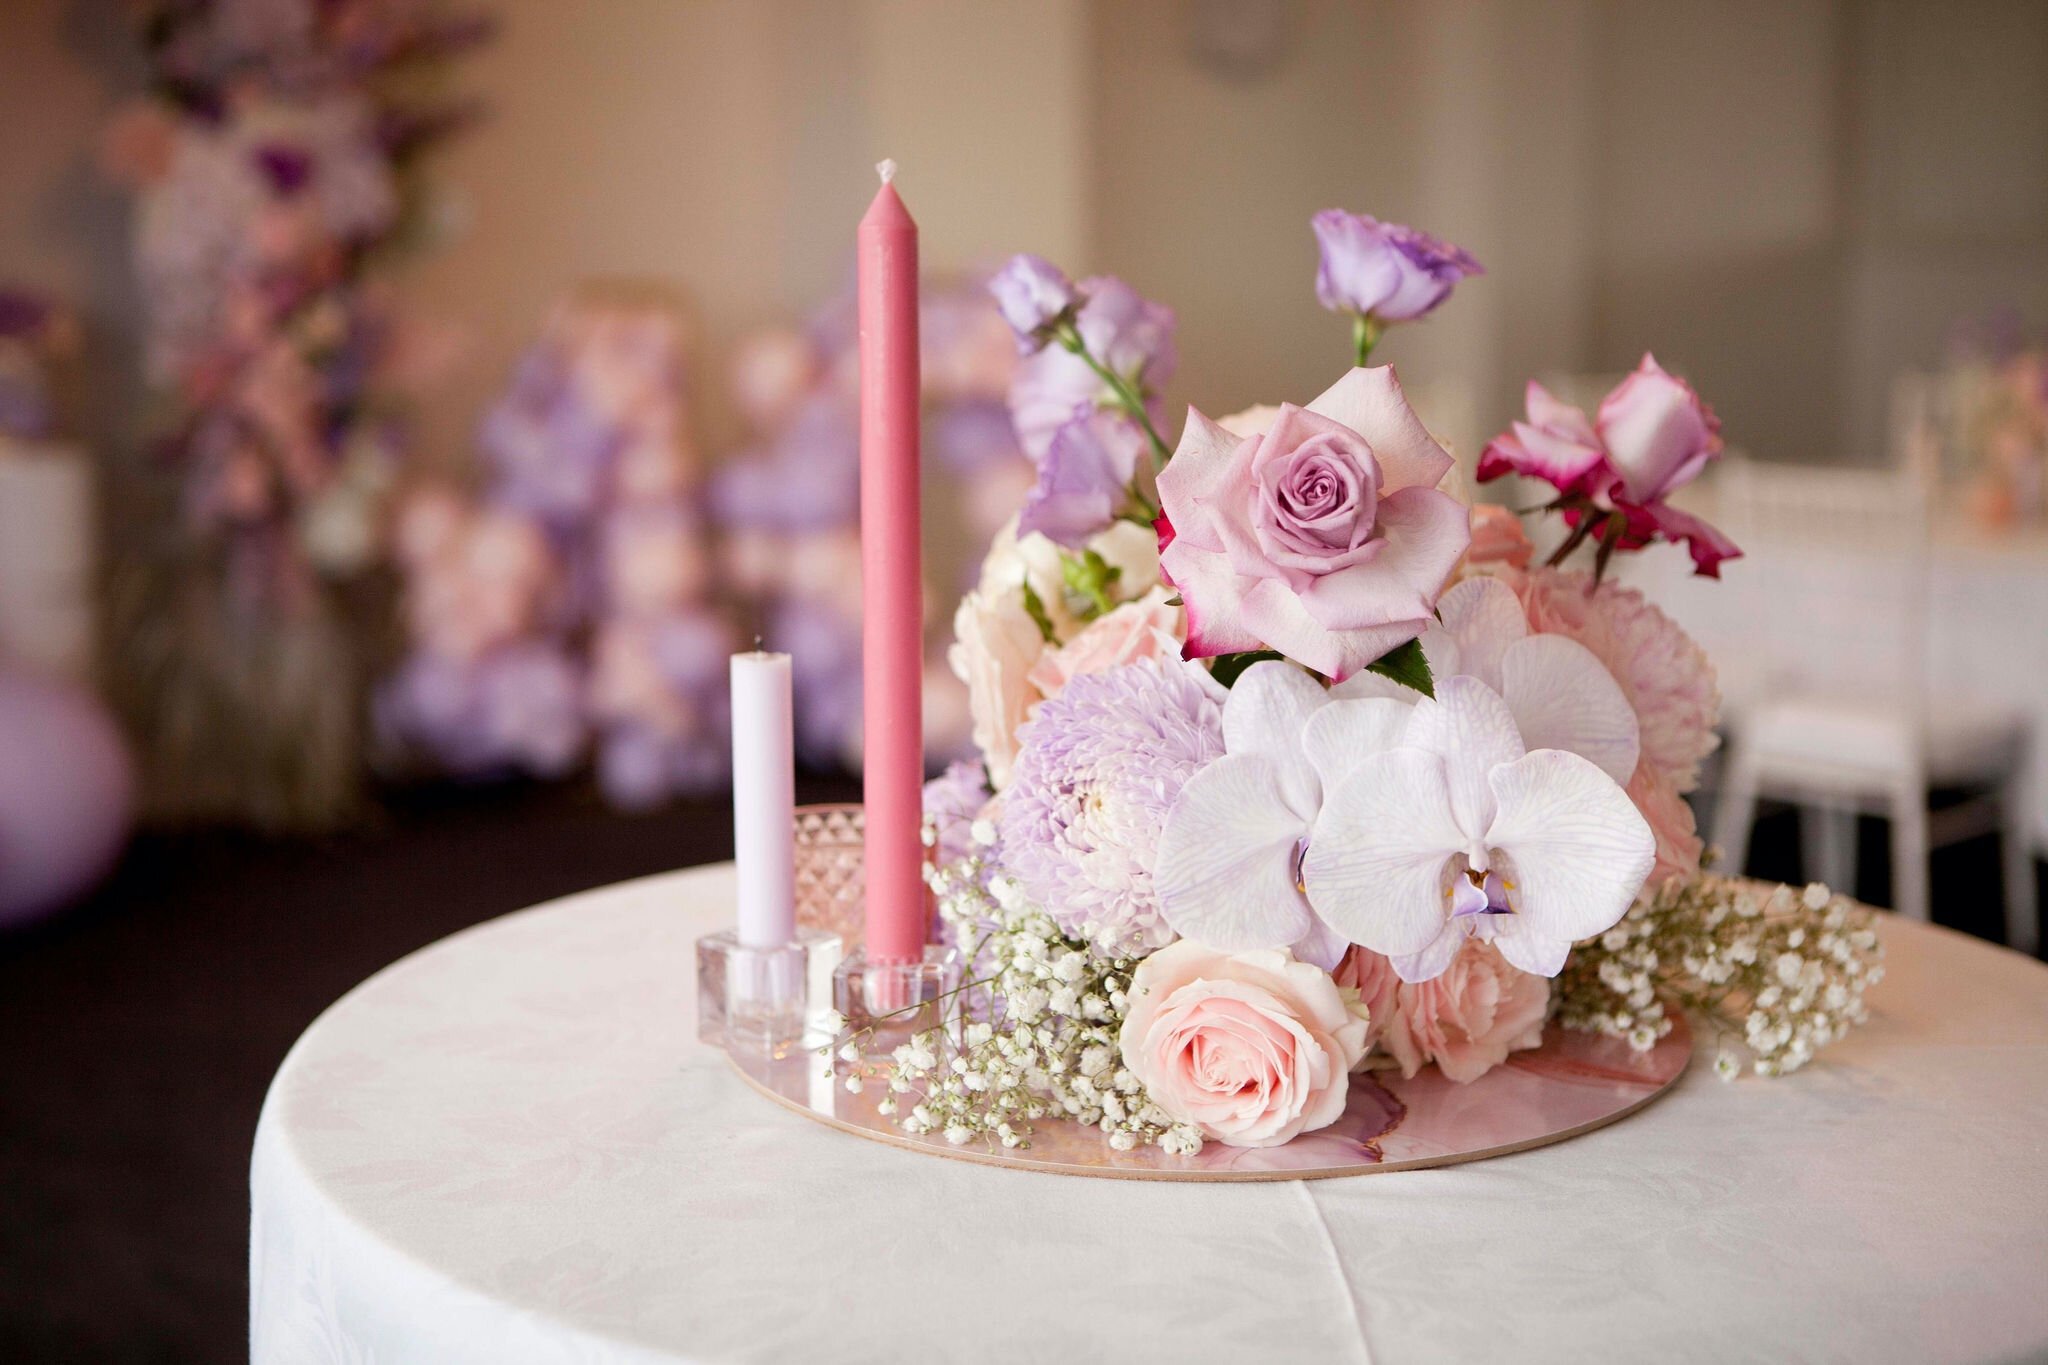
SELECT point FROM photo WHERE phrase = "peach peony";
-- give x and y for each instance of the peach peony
(1470, 1018)
(1497, 541)
(1667, 678)
(1251, 1048)
(1671, 820)
(1377, 984)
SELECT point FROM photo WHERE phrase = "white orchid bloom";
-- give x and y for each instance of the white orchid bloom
(1461, 830)
(1559, 693)
(1229, 867)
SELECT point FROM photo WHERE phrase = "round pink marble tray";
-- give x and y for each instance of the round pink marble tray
(1574, 1083)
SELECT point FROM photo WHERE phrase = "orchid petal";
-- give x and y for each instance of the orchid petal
(1370, 402)
(1322, 945)
(1562, 697)
(1344, 733)
(1577, 847)
(1471, 729)
(1433, 961)
(1369, 686)
(1481, 617)
(1527, 950)
(1381, 850)
(1268, 708)
(1226, 869)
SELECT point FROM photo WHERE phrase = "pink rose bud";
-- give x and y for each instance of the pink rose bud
(1658, 433)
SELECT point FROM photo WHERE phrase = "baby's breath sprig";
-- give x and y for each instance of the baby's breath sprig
(1784, 971)
(1040, 1038)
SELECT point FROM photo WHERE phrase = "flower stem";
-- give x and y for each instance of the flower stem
(1365, 334)
(1128, 398)
(1571, 542)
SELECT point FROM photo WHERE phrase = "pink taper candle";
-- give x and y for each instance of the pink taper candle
(892, 583)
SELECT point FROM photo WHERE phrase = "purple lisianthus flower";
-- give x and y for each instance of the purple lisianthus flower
(550, 448)
(1035, 296)
(1384, 270)
(953, 801)
(1129, 335)
(1084, 479)
(1099, 768)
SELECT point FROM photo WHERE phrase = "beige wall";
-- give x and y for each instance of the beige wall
(1787, 198)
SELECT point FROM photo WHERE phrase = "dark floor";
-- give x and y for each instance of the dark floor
(138, 1032)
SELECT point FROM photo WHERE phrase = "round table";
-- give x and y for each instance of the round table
(509, 1146)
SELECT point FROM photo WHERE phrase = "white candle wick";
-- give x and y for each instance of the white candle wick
(886, 168)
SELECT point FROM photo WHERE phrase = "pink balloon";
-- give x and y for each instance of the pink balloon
(66, 794)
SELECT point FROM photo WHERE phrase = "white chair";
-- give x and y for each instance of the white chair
(1837, 578)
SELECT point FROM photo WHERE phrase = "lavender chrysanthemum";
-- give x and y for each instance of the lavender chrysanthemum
(1099, 768)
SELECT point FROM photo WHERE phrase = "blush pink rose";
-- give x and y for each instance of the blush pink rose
(1148, 628)
(1470, 1018)
(1324, 537)
(1373, 976)
(1250, 1048)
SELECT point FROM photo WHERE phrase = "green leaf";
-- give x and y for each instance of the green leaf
(1228, 668)
(1406, 665)
(1035, 605)
(1089, 578)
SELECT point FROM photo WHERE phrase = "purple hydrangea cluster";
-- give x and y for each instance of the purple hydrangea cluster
(788, 503)
(1100, 766)
(567, 611)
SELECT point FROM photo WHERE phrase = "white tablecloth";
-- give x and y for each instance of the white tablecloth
(510, 1147)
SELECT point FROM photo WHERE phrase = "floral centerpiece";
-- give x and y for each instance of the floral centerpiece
(1292, 763)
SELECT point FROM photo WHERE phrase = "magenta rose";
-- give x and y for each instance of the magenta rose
(1324, 537)
(1251, 1048)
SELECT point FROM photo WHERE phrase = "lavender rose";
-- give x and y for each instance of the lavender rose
(1384, 271)
(1034, 295)
(1324, 537)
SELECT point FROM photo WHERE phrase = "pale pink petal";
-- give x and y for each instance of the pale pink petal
(1268, 708)
(1471, 729)
(1547, 410)
(1424, 535)
(1276, 617)
(1381, 850)
(1481, 617)
(1562, 698)
(1212, 595)
(1578, 848)
(1225, 874)
(1371, 403)
(1344, 733)
(1200, 464)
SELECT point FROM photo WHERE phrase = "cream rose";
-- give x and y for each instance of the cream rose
(995, 645)
(1251, 1048)
(1470, 1018)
